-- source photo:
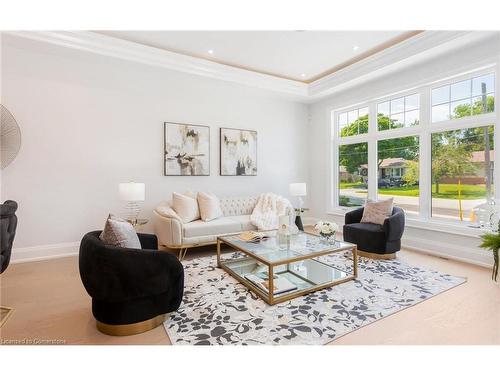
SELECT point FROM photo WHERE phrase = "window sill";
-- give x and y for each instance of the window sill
(432, 225)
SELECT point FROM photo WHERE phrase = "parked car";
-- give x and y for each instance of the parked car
(397, 181)
(384, 183)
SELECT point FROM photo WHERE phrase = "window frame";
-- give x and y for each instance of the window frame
(347, 111)
(423, 130)
(403, 112)
(451, 81)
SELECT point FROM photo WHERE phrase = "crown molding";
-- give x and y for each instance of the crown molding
(123, 49)
(414, 50)
(422, 47)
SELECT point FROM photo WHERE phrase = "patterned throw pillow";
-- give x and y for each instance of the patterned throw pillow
(209, 206)
(377, 212)
(119, 232)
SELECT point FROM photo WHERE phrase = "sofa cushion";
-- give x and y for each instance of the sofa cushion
(244, 221)
(167, 211)
(186, 207)
(218, 226)
(209, 206)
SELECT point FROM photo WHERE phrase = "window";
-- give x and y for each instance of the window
(398, 171)
(442, 169)
(398, 113)
(353, 174)
(464, 98)
(353, 122)
(462, 171)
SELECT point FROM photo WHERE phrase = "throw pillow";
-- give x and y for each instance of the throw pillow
(186, 207)
(377, 212)
(119, 232)
(167, 211)
(209, 206)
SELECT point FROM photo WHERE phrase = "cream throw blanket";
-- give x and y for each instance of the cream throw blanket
(269, 206)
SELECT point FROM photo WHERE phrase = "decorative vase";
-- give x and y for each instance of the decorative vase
(328, 238)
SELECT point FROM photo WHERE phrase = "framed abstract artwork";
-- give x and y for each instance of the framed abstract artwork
(238, 152)
(186, 150)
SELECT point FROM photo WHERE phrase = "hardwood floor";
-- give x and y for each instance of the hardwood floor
(51, 306)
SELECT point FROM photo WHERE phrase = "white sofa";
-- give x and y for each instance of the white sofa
(173, 234)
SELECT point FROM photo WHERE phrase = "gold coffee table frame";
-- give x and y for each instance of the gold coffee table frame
(269, 297)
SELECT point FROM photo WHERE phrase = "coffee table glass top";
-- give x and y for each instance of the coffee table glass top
(299, 265)
(272, 250)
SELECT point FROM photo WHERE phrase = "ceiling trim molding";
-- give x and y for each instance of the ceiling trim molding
(123, 49)
(418, 48)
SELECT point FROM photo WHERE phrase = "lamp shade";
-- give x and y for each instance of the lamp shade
(132, 191)
(298, 189)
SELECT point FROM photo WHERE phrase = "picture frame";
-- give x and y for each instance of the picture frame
(238, 152)
(186, 149)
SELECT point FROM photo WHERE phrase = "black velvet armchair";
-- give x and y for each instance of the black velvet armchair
(131, 289)
(374, 240)
(8, 225)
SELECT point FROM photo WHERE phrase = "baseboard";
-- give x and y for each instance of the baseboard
(44, 252)
(469, 255)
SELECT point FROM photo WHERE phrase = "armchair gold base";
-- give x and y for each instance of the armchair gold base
(376, 256)
(131, 329)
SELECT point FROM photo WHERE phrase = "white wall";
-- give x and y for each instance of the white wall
(449, 245)
(90, 122)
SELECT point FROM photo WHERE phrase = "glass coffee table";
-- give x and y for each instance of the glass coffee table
(291, 268)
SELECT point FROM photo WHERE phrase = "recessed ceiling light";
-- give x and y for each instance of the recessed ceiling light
(355, 48)
(303, 75)
(211, 51)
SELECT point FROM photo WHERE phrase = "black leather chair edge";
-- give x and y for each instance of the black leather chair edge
(8, 226)
(132, 290)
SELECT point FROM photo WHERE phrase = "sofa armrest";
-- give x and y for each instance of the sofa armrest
(168, 230)
(148, 241)
(394, 226)
(354, 216)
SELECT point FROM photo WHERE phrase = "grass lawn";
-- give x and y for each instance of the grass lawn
(350, 185)
(446, 191)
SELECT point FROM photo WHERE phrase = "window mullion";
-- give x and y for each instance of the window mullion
(372, 152)
(496, 139)
(425, 163)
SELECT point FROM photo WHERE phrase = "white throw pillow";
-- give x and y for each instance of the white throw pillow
(209, 206)
(377, 212)
(167, 211)
(119, 232)
(186, 207)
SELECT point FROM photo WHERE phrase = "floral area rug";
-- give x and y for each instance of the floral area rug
(218, 310)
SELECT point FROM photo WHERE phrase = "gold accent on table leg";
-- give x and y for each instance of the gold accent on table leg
(131, 329)
(271, 284)
(5, 314)
(376, 256)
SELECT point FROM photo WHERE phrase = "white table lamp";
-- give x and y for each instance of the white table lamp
(132, 193)
(298, 189)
